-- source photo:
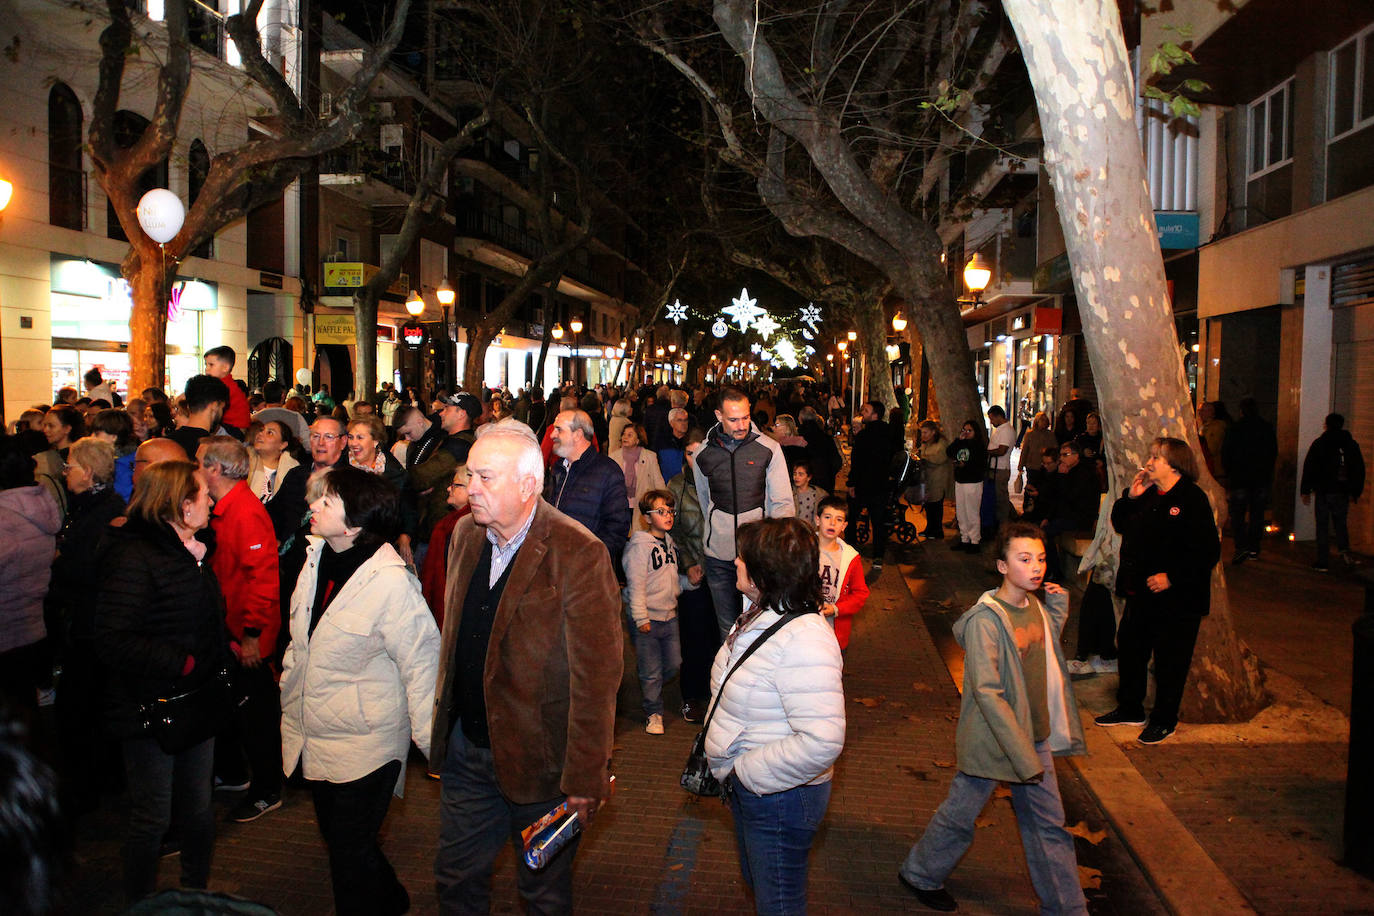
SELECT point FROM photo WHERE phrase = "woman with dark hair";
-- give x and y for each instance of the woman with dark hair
(1090, 447)
(933, 450)
(117, 428)
(358, 681)
(159, 418)
(640, 467)
(63, 425)
(779, 723)
(1169, 544)
(969, 455)
(277, 474)
(159, 633)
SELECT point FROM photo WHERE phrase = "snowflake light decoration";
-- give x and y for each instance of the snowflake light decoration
(677, 312)
(787, 353)
(720, 328)
(765, 356)
(755, 347)
(765, 325)
(811, 315)
(743, 310)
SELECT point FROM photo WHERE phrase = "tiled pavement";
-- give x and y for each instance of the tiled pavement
(655, 849)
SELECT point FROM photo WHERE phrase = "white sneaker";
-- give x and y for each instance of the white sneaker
(1078, 666)
(1104, 665)
(655, 726)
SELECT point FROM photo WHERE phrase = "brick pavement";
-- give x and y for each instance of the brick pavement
(655, 849)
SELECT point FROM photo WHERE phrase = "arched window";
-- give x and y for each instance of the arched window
(128, 127)
(198, 169)
(66, 178)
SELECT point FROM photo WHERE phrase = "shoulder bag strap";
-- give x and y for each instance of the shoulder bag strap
(763, 638)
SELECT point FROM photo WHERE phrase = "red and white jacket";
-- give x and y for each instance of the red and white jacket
(851, 595)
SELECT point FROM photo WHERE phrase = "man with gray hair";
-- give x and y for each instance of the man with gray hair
(245, 563)
(670, 451)
(531, 661)
(587, 485)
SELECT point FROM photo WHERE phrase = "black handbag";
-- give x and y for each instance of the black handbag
(183, 720)
(696, 775)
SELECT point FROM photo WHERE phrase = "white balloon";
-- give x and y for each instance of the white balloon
(161, 213)
(303, 376)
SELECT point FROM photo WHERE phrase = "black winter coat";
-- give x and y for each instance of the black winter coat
(76, 563)
(156, 606)
(1172, 533)
(1249, 452)
(592, 491)
(870, 461)
(823, 454)
(1334, 464)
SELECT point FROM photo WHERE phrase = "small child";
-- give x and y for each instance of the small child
(842, 574)
(1017, 712)
(804, 496)
(219, 362)
(651, 589)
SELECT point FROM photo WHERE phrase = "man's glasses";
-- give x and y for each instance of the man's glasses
(324, 437)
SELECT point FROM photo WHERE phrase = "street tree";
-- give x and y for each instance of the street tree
(239, 179)
(1085, 93)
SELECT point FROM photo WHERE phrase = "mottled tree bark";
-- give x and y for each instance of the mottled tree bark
(1085, 93)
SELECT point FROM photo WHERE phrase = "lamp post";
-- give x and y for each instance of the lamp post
(898, 323)
(6, 192)
(415, 305)
(576, 325)
(446, 296)
(976, 276)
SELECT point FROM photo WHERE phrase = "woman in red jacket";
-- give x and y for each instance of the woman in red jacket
(434, 572)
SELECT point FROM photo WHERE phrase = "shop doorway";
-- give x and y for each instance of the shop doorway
(334, 368)
(269, 360)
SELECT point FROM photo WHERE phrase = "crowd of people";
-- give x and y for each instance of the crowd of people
(240, 588)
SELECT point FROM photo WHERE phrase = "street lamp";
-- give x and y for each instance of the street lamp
(557, 332)
(976, 276)
(898, 323)
(6, 192)
(853, 335)
(415, 305)
(445, 294)
(576, 325)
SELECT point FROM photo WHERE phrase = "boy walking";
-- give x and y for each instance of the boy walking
(842, 574)
(1018, 711)
(651, 590)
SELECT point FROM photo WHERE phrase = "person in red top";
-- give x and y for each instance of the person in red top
(842, 572)
(219, 362)
(245, 562)
(434, 570)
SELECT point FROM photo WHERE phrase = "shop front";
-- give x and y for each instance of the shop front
(1016, 358)
(91, 310)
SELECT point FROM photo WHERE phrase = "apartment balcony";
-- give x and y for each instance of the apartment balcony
(368, 176)
(493, 241)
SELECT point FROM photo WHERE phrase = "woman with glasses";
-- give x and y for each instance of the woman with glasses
(434, 570)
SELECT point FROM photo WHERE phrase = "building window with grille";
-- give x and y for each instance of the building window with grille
(66, 177)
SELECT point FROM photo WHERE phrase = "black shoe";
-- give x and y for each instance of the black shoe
(1153, 734)
(877, 565)
(1117, 717)
(692, 712)
(938, 899)
(250, 809)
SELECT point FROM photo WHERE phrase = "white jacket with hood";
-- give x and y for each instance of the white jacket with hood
(361, 687)
(780, 722)
(652, 577)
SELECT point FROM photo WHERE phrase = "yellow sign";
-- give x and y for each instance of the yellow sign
(347, 274)
(335, 329)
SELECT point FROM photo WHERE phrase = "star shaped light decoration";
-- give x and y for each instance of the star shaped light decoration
(677, 312)
(787, 352)
(720, 328)
(811, 315)
(765, 325)
(755, 347)
(743, 310)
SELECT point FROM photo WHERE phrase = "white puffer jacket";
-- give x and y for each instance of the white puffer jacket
(356, 692)
(781, 719)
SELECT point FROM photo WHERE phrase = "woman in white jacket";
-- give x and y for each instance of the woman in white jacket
(779, 725)
(358, 681)
(640, 467)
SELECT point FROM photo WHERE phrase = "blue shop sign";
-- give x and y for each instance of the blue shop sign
(1177, 229)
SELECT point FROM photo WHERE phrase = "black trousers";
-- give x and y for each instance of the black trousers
(877, 505)
(350, 815)
(935, 519)
(253, 733)
(1096, 623)
(1150, 626)
(700, 639)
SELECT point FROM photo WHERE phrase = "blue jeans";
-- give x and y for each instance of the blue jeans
(659, 654)
(1050, 855)
(774, 834)
(167, 790)
(1331, 509)
(475, 821)
(720, 579)
(1247, 506)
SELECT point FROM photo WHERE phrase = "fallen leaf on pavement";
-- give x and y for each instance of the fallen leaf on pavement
(942, 763)
(676, 867)
(981, 821)
(870, 702)
(921, 687)
(1092, 836)
(1089, 878)
(912, 771)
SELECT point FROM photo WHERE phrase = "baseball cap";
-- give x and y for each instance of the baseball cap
(468, 402)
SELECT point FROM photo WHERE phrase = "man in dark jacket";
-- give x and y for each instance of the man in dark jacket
(206, 399)
(1248, 454)
(870, 463)
(1334, 470)
(1073, 496)
(587, 485)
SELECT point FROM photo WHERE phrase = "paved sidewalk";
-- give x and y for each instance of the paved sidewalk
(655, 849)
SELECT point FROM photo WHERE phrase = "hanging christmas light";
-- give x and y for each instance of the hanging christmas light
(765, 325)
(677, 312)
(743, 310)
(811, 315)
(720, 328)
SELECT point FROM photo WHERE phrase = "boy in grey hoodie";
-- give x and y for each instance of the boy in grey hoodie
(1018, 712)
(652, 585)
